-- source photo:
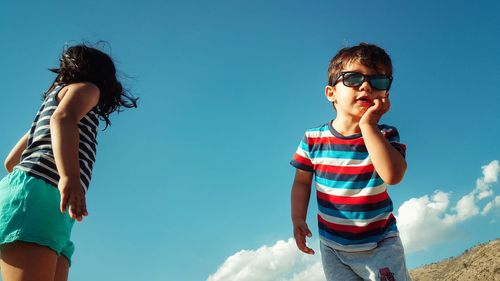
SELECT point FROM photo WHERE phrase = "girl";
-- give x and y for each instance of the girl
(50, 167)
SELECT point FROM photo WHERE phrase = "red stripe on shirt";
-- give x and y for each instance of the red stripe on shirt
(351, 200)
(302, 160)
(355, 229)
(334, 140)
(346, 170)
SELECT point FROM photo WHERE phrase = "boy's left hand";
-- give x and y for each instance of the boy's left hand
(373, 114)
(300, 232)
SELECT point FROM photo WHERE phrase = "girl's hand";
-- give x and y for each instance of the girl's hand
(72, 197)
(300, 232)
(373, 114)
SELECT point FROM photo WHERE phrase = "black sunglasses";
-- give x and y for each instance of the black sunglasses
(355, 79)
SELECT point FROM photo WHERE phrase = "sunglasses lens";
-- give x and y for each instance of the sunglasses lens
(380, 83)
(353, 79)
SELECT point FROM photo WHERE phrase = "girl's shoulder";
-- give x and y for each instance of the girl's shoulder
(76, 100)
(89, 89)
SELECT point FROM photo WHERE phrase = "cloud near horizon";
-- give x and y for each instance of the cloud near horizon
(284, 262)
(418, 213)
(280, 262)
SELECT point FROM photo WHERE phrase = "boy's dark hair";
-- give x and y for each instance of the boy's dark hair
(369, 55)
(81, 63)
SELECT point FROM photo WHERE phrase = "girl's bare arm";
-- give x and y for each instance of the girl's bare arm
(75, 102)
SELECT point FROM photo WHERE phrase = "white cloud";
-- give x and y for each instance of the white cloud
(424, 222)
(490, 176)
(466, 208)
(280, 262)
(491, 171)
(313, 272)
(421, 221)
(495, 203)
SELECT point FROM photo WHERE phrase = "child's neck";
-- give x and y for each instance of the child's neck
(346, 126)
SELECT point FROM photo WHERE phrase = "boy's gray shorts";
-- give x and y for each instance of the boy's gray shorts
(384, 263)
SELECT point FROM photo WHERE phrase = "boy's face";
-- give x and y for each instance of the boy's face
(353, 101)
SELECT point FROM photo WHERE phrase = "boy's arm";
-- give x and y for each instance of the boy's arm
(388, 161)
(78, 100)
(14, 156)
(301, 192)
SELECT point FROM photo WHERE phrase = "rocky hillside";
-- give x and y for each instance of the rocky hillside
(480, 263)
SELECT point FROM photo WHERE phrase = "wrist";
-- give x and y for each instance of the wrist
(366, 126)
(69, 178)
(297, 221)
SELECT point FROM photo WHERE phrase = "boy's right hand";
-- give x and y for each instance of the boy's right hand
(300, 231)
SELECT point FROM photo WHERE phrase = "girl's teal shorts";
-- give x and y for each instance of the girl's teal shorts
(29, 212)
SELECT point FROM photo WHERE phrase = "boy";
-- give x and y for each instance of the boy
(353, 159)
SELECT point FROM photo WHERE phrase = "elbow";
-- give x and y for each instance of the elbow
(9, 165)
(59, 117)
(393, 180)
(396, 176)
(62, 119)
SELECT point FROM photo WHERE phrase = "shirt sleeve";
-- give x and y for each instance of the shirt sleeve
(391, 134)
(301, 159)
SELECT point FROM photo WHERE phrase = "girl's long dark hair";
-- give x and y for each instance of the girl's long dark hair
(81, 63)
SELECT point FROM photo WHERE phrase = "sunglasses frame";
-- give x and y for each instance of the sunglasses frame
(367, 78)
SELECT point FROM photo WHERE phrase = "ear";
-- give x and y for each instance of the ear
(330, 93)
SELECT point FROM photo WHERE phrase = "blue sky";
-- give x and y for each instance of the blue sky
(200, 170)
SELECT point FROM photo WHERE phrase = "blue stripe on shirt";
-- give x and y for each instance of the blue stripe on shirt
(355, 215)
(373, 182)
(338, 154)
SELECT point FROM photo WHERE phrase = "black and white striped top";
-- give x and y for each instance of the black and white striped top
(38, 158)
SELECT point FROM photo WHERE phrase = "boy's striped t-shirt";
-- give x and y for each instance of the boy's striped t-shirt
(355, 210)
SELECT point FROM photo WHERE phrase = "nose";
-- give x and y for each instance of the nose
(366, 87)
